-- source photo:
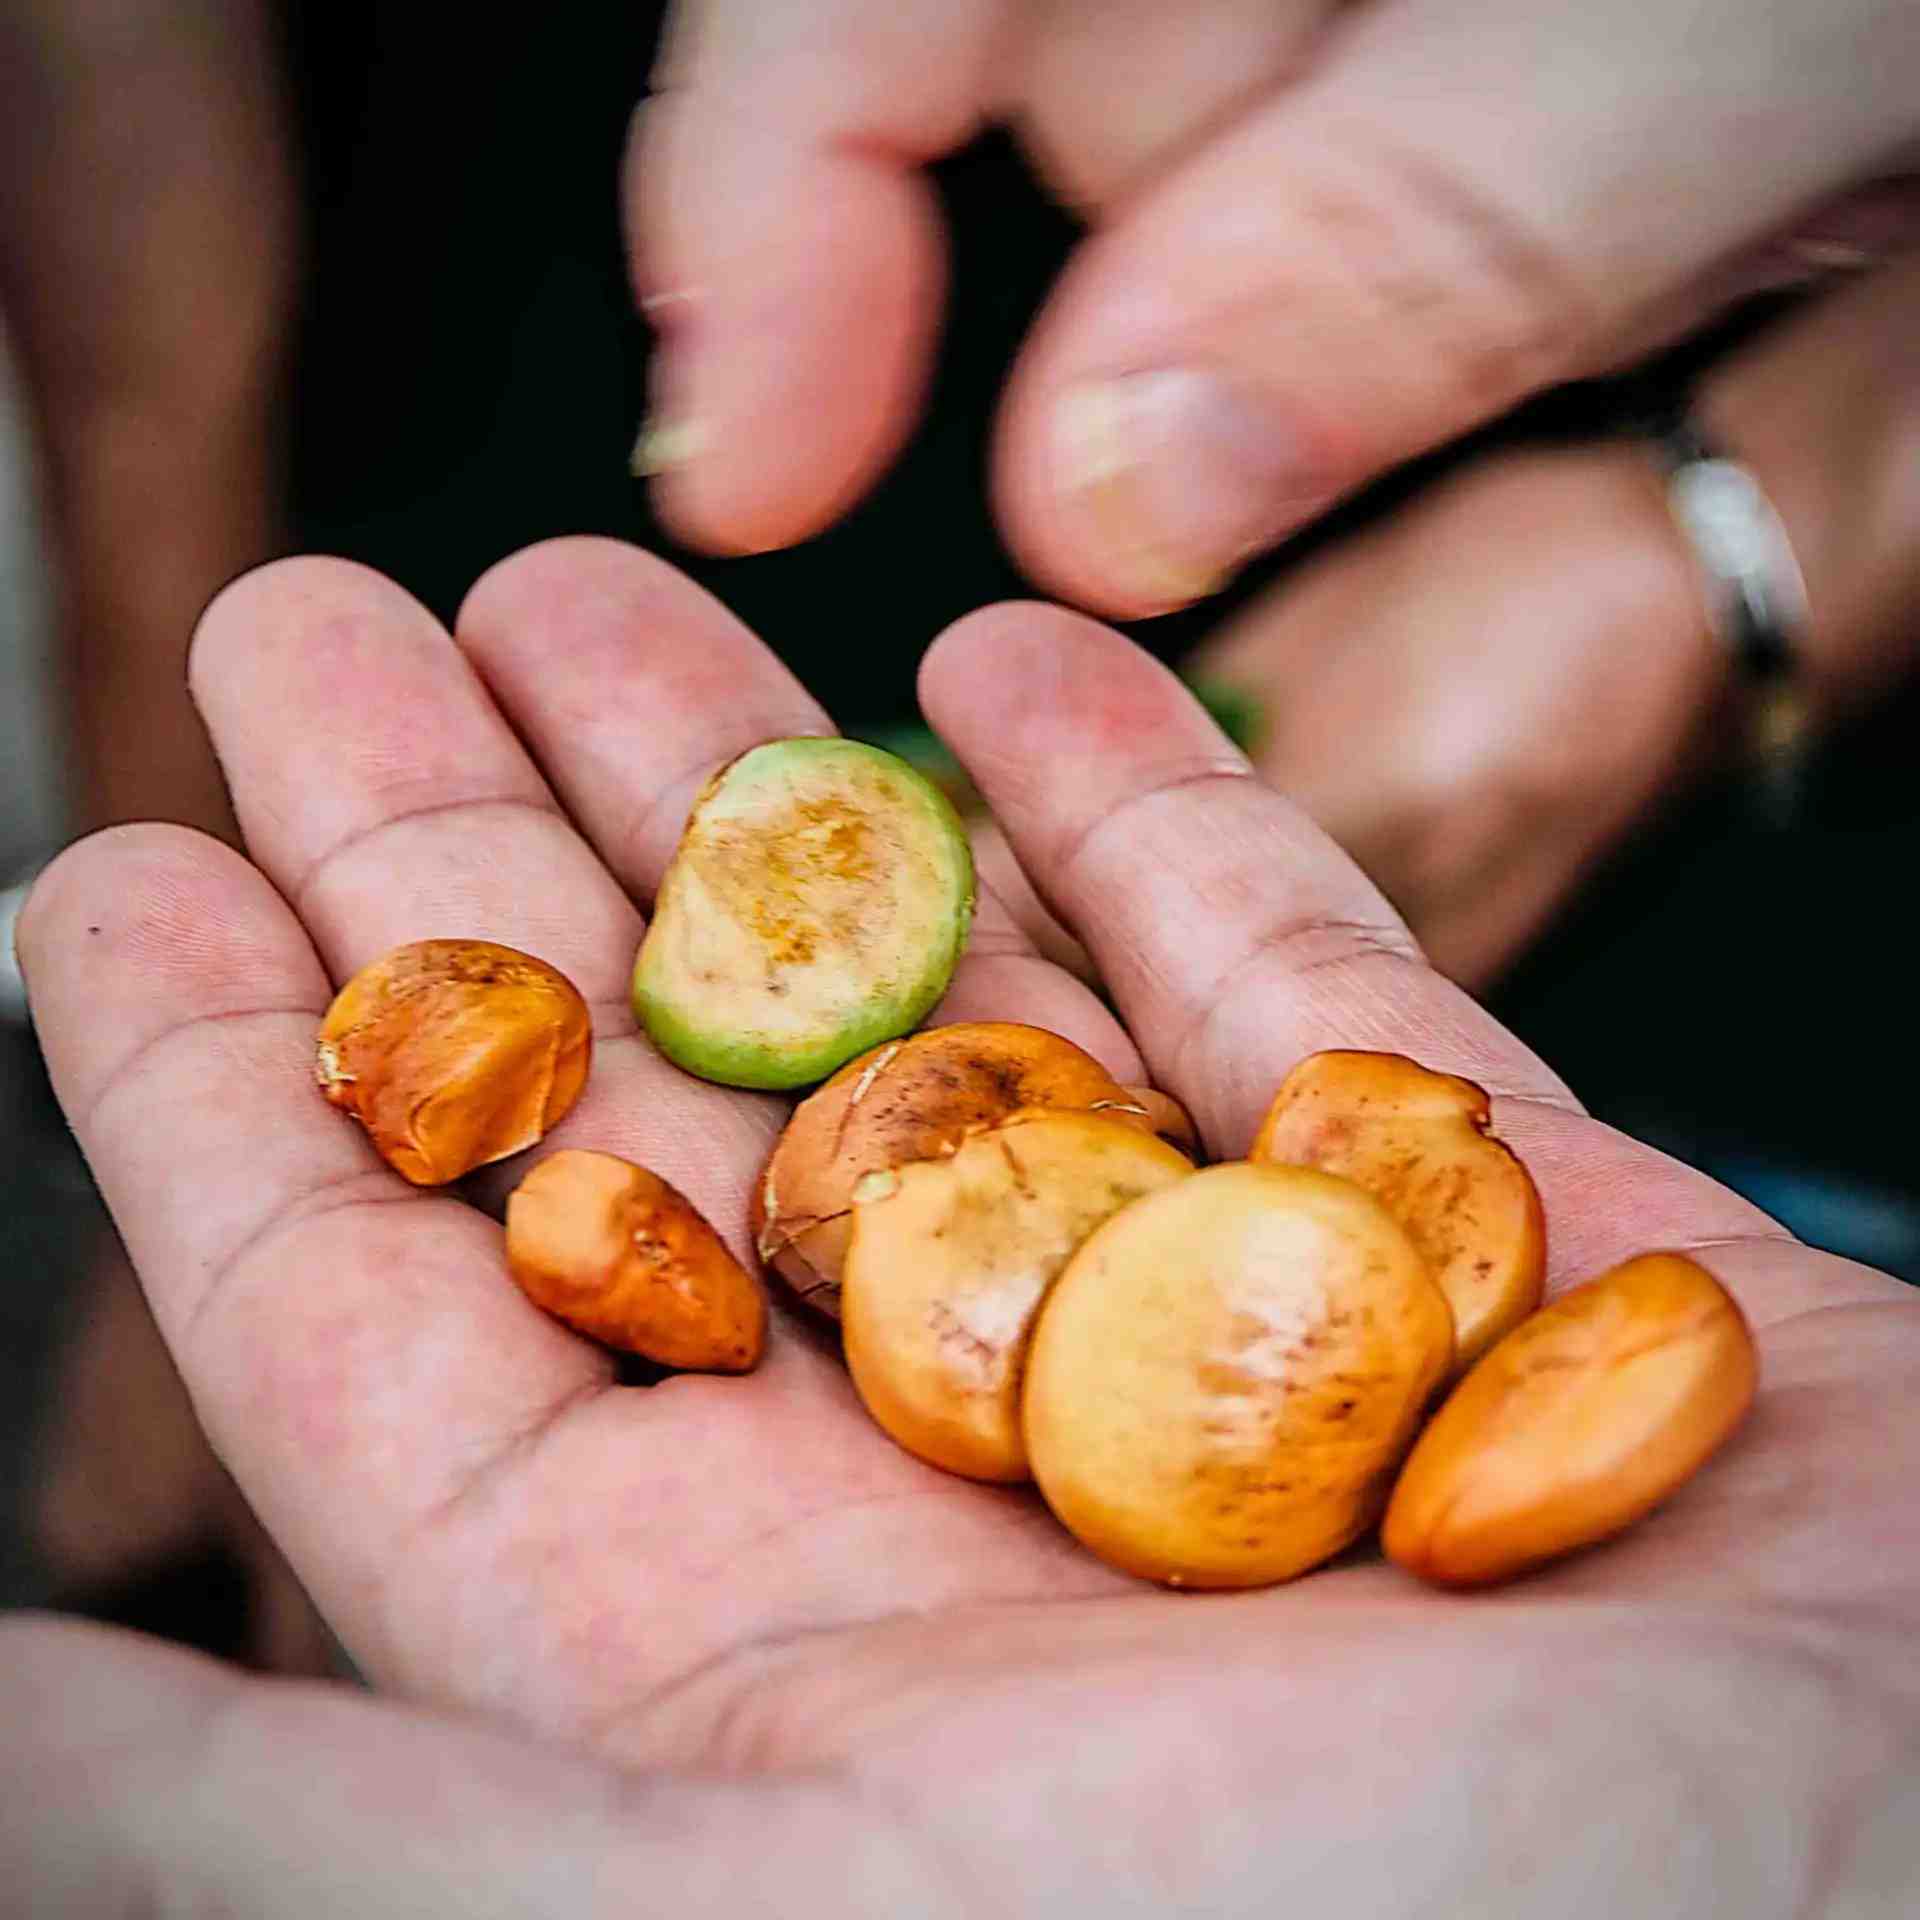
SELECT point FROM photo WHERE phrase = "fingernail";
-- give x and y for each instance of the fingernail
(668, 298)
(1834, 256)
(666, 442)
(1181, 477)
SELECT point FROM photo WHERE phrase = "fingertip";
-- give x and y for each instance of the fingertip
(794, 289)
(1006, 632)
(176, 911)
(550, 579)
(260, 605)
(1011, 675)
(1140, 488)
(120, 862)
(1289, 311)
(583, 638)
(1050, 536)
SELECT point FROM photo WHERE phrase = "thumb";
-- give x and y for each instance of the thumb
(137, 1778)
(1466, 201)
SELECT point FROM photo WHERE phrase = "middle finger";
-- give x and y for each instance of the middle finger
(631, 687)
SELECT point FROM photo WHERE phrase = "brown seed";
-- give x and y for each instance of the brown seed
(454, 1053)
(950, 1260)
(624, 1258)
(912, 1099)
(1223, 1380)
(1418, 1142)
(1579, 1422)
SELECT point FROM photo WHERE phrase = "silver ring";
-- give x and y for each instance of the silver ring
(1743, 547)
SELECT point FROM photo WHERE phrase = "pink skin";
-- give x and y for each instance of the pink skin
(1431, 686)
(1375, 227)
(922, 1697)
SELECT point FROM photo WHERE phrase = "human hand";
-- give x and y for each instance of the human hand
(1482, 696)
(813, 1650)
(1327, 237)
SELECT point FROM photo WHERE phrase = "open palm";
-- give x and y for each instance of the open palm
(844, 1678)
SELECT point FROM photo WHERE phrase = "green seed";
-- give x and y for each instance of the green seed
(816, 906)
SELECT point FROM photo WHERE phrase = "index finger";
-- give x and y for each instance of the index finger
(1237, 938)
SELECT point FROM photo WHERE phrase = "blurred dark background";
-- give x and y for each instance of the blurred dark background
(467, 376)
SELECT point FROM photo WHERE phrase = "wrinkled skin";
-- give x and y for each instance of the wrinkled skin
(786, 1663)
